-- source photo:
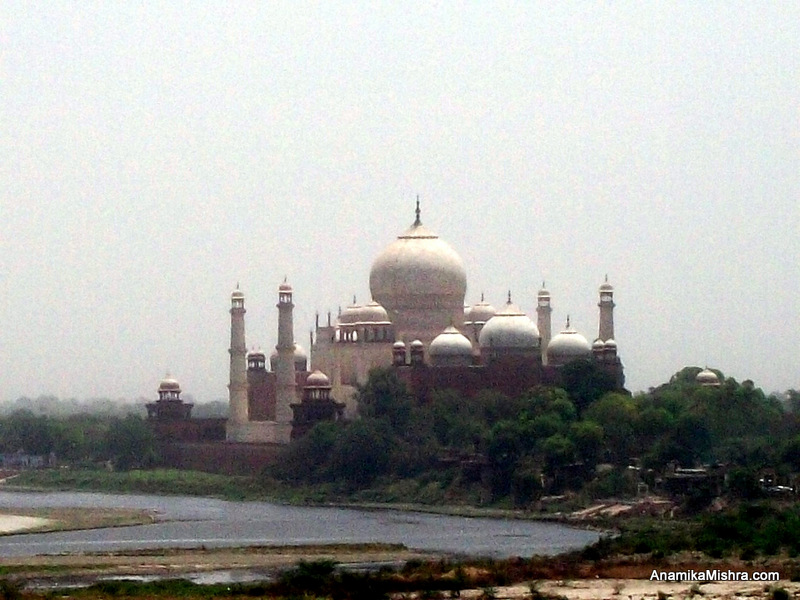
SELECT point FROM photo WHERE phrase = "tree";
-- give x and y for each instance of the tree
(588, 440)
(361, 452)
(617, 415)
(131, 443)
(504, 450)
(384, 396)
(558, 452)
(585, 382)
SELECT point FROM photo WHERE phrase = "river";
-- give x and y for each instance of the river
(194, 522)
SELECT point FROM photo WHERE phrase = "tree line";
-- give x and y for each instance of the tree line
(492, 448)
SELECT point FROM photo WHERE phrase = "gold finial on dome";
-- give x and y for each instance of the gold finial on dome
(509, 297)
(417, 221)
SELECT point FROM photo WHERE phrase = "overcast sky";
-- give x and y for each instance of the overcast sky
(155, 154)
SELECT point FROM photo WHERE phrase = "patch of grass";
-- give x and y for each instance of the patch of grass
(155, 481)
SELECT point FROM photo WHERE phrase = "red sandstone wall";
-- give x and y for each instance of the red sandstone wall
(220, 457)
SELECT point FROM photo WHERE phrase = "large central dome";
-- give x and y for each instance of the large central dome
(418, 271)
(421, 282)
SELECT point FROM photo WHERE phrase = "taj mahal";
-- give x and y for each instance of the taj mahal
(416, 323)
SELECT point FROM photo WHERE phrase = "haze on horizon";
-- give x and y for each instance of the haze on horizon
(154, 155)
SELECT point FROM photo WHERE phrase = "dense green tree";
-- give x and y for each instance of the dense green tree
(617, 415)
(526, 482)
(362, 452)
(558, 451)
(385, 396)
(32, 434)
(585, 382)
(587, 438)
(131, 443)
(505, 447)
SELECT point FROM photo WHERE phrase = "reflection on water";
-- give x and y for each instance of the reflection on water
(194, 522)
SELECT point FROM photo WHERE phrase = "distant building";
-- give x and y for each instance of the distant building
(417, 322)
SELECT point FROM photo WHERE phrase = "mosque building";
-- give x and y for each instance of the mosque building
(417, 323)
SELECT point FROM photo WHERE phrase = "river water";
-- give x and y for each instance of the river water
(195, 522)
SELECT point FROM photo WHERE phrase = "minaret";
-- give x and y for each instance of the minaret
(543, 311)
(606, 305)
(285, 375)
(237, 388)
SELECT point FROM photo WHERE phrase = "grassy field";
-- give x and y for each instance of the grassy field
(156, 481)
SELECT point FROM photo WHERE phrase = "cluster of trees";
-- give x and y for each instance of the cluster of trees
(548, 439)
(82, 439)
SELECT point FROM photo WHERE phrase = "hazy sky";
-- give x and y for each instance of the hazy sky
(154, 154)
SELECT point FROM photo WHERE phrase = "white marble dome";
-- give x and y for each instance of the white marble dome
(300, 359)
(350, 314)
(481, 312)
(417, 271)
(451, 342)
(371, 313)
(509, 328)
(568, 345)
(169, 384)
(318, 379)
(707, 377)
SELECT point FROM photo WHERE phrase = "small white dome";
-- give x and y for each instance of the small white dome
(451, 342)
(237, 294)
(399, 344)
(285, 287)
(256, 354)
(598, 344)
(611, 344)
(605, 286)
(417, 345)
(509, 328)
(169, 384)
(300, 358)
(299, 353)
(350, 314)
(318, 379)
(481, 312)
(707, 377)
(568, 345)
(372, 313)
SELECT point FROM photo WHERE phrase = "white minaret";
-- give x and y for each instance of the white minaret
(285, 376)
(237, 388)
(606, 305)
(543, 312)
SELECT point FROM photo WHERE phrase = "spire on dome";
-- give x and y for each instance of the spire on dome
(567, 321)
(509, 296)
(482, 300)
(417, 221)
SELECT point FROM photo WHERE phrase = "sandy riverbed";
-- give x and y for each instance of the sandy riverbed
(15, 523)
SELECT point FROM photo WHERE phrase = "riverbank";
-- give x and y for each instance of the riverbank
(415, 575)
(48, 571)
